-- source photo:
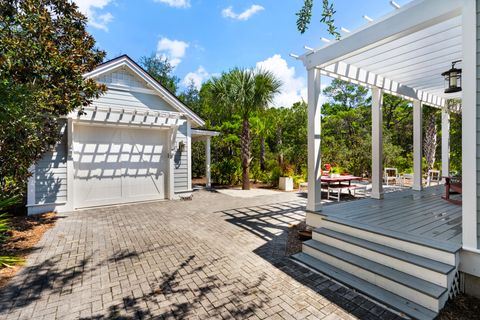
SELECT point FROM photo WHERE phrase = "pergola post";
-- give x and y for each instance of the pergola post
(207, 163)
(417, 145)
(470, 129)
(314, 122)
(377, 143)
(445, 143)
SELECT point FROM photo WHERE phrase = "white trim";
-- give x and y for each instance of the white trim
(314, 202)
(445, 142)
(415, 16)
(377, 143)
(417, 145)
(469, 127)
(470, 261)
(208, 174)
(31, 196)
(171, 166)
(353, 74)
(160, 90)
(189, 155)
(46, 204)
(70, 165)
(120, 87)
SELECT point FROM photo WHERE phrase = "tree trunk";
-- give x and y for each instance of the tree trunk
(430, 141)
(262, 153)
(280, 147)
(246, 157)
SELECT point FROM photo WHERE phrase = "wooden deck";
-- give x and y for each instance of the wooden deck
(416, 214)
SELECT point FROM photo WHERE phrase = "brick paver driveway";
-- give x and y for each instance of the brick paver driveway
(213, 257)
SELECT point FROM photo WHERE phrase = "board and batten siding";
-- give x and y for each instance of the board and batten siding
(180, 162)
(51, 173)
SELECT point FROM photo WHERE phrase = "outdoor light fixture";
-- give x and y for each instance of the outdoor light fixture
(181, 146)
(453, 79)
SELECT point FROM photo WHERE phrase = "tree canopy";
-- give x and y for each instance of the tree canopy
(44, 52)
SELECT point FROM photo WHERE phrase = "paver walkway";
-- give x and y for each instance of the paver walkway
(210, 258)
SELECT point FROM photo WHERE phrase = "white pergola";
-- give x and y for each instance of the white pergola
(205, 135)
(404, 54)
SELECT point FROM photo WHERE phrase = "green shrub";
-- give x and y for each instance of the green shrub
(227, 172)
(5, 204)
(275, 175)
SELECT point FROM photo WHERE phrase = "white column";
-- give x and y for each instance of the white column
(377, 143)
(469, 128)
(31, 187)
(417, 145)
(445, 143)
(207, 163)
(314, 130)
(70, 205)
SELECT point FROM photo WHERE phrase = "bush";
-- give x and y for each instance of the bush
(258, 175)
(275, 175)
(227, 172)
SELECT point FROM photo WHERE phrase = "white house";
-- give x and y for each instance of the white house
(132, 144)
(410, 250)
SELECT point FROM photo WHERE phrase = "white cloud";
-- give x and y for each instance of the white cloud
(294, 87)
(173, 50)
(90, 8)
(245, 15)
(176, 3)
(198, 77)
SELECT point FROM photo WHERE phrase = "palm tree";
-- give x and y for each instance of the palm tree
(242, 92)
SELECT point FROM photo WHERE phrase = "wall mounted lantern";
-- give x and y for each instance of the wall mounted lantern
(181, 146)
(453, 79)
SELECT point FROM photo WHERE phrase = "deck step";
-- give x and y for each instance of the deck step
(417, 260)
(417, 284)
(442, 252)
(434, 244)
(399, 303)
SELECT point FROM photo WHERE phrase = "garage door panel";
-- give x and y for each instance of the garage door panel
(118, 165)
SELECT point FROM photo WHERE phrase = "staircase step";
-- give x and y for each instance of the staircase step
(441, 252)
(397, 302)
(417, 284)
(434, 244)
(388, 251)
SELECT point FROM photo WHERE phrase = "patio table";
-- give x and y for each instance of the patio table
(348, 178)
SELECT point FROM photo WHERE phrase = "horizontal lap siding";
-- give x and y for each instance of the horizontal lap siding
(126, 99)
(478, 121)
(181, 161)
(51, 174)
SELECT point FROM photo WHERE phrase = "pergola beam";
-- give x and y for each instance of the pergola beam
(413, 17)
(343, 71)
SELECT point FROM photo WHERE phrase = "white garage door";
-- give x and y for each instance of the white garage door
(118, 165)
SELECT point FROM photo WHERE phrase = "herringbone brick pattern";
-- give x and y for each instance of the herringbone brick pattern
(216, 257)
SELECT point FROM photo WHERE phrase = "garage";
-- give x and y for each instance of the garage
(117, 164)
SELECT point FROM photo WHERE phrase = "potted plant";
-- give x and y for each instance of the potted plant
(285, 182)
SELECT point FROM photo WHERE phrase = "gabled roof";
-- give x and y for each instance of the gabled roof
(166, 95)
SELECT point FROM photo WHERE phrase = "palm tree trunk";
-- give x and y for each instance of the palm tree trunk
(280, 147)
(246, 157)
(262, 153)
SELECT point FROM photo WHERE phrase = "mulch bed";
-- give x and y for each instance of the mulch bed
(294, 240)
(463, 307)
(24, 235)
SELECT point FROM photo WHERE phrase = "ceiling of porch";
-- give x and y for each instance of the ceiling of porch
(418, 59)
(404, 52)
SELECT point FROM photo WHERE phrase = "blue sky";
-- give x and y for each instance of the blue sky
(205, 37)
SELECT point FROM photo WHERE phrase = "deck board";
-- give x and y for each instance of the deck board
(417, 213)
